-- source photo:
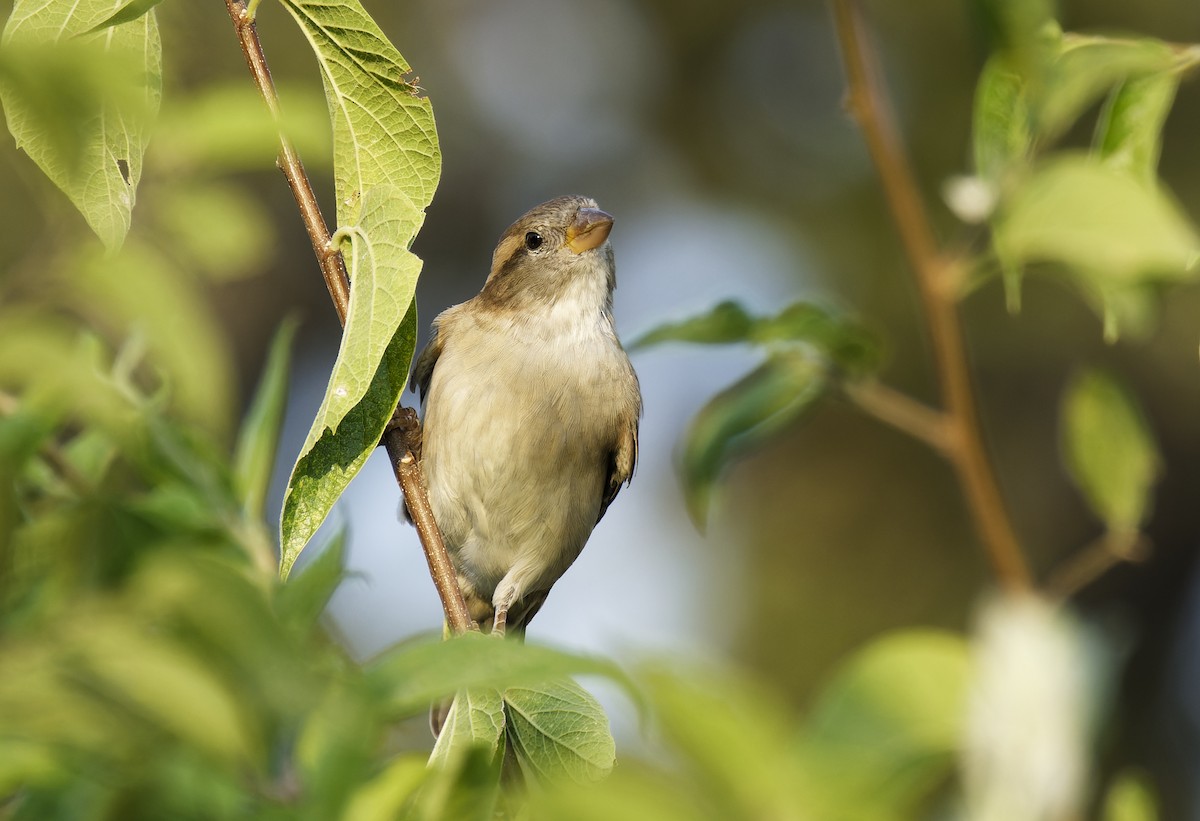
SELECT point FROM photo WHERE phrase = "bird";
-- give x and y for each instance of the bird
(530, 412)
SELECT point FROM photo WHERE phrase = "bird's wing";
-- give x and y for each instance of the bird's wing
(423, 371)
(621, 463)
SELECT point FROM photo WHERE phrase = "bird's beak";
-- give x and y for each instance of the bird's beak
(590, 228)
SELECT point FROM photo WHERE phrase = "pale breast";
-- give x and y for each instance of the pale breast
(518, 432)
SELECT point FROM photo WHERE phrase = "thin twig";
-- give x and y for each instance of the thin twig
(901, 411)
(1099, 557)
(935, 278)
(402, 441)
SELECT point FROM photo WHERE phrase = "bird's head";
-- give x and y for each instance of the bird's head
(557, 248)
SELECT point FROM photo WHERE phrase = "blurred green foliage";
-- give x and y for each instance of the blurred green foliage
(152, 664)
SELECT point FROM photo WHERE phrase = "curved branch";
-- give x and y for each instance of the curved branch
(936, 282)
(402, 440)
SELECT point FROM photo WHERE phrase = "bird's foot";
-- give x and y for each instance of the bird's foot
(499, 623)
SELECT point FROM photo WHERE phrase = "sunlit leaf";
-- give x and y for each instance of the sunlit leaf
(468, 789)
(883, 733)
(559, 731)
(127, 11)
(335, 750)
(1129, 134)
(411, 677)
(1110, 229)
(214, 228)
(138, 291)
(226, 126)
(91, 148)
(383, 131)
(1109, 449)
(1086, 69)
(384, 796)
(162, 682)
(1130, 798)
(743, 416)
(258, 439)
(475, 719)
(369, 375)
(734, 738)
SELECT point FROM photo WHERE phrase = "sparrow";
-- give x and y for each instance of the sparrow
(530, 411)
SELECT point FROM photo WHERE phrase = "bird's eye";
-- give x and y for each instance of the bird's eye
(533, 240)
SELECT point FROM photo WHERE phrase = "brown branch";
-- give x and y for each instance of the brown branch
(935, 277)
(901, 411)
(1102, 555)
(401, 441)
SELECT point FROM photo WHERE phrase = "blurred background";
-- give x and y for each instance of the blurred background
(714, 132)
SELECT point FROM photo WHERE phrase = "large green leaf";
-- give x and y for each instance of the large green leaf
(370, 372)
(384, 796)
(80, 102)
(411, 677)
(383, 131)
(386, 167)
(883, 733)
(559, 731)
(1109, 449)
(475, 719)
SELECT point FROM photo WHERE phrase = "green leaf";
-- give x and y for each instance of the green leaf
(79, 103)
(475, 719)
(846, 344)
(163, 682)
(1111, 230)
(336, 749)
(466, 790)
(258, 439)
(411, 677)
(383, 132)
(883, 733)
(1001, 129)
(138, 292)
(559, 731)
(1129, 133)
(226, 126)
(128, 11)
(725, 323)
(384, 796)
(303, 598)
(1130, 798)
(216, 228)
(1109, 449)
(742, 417)
(733, 737)
(370, 372)
(1087, 68)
